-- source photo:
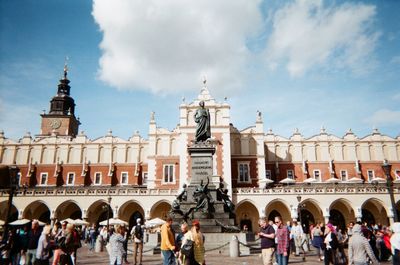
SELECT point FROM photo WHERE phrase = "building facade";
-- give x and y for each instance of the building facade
(61, 173)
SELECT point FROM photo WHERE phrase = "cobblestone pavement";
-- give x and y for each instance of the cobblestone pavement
(212, 258)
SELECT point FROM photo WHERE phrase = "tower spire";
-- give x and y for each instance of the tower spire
(66, 67)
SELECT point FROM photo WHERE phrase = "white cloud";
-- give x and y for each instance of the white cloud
(309, 34)
(384, 117)
(166, 46)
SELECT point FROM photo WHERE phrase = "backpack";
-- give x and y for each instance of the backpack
(187, 248)
(137, 232)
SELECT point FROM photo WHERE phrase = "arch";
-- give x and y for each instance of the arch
(159, 146)
(218, 117)
(68, 209)
(46, 156)
(341, 213)
(130, 211)
(374, 211)
(278, 207)
(318, 153)
(247, 214)
(3, 212)
(98, 212)
(237, 146)
(160, 209)
(101, 155)
(252, 146)
(37, 210)
(173, 147)
(19, 156)
(311, 213)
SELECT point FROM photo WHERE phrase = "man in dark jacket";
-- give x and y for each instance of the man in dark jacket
(33, 239)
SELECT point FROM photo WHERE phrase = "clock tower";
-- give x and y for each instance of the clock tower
(61, 118)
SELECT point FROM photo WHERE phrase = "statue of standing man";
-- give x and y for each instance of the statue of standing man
(202, 118)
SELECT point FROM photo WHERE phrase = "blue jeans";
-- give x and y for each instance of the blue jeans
(168, 257)
(281, 260)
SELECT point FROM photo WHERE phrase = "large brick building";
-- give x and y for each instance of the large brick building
(62, 173)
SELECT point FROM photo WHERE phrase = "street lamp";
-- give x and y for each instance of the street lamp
(108, 211)
(299, 209)
(387, 168)
(12, 172)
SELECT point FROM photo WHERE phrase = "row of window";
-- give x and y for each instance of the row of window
(168, 177)
(244, 175)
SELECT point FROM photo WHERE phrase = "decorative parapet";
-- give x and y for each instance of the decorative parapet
(319, 189)
(339, 188)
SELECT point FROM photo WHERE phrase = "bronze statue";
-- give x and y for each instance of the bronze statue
(176, 204)
(222, 195)
(202, 118)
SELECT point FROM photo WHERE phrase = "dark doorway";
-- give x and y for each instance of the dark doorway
(367, 217)
(134, 217)
(306, 218)
(246, 222)
(337, 219)
(273, 214)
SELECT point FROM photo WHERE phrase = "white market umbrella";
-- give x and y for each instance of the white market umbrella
(378, 179)
(333, 180)
(2, 222)
(268, 181)
(113, 221)
(80, 222)
(354, 180)
(68, 220)
(310, 180)
(20, 222)
(287, 181)
(154, 222)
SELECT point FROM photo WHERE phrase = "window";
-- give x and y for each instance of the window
(370, 174)
(290, 174)
(43, 179)
(97, 178)
(343, 175)
(169, 174)
(144, 178)
(244, 175)
(317, 175)
(70, 179)
(268, 174)
(124, 178)
(18, 179)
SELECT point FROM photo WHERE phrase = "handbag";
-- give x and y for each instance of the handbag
(187, 248)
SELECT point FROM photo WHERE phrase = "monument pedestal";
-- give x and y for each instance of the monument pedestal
(202, 201)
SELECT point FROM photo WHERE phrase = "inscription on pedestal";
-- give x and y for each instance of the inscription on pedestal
(201, 168)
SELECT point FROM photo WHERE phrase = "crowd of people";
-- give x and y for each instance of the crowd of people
(58, 245)
(35, 245)
(366, 244)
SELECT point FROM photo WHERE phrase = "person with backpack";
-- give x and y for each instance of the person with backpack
(137, 236)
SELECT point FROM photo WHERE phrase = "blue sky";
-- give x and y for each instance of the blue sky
(303, 64)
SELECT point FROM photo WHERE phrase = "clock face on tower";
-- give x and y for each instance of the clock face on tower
(55, 124)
